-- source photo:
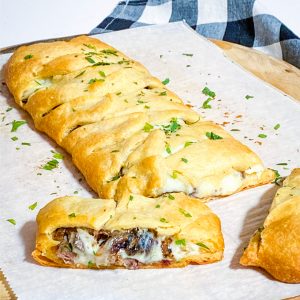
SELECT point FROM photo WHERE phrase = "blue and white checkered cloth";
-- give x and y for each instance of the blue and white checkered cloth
(243, 22)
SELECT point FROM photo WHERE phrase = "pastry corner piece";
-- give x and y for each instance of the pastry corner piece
(275, 246)
(173, 230)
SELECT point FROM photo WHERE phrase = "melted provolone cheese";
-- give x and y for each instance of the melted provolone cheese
(37, 85)
(255, 169)
(227, 185)
(176, 185)
(181, 251)
(154, 255)
(90, 246)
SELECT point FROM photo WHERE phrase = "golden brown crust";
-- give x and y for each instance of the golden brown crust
(184, 218)
(126, 132)
(37, 255)
(276, 246)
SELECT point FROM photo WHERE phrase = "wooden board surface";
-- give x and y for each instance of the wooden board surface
(277, 72)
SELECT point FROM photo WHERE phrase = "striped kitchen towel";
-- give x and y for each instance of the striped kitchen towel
(243, 22)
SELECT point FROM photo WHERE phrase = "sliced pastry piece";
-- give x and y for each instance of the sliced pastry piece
(275, 246)
(173, 230)
(125, 130)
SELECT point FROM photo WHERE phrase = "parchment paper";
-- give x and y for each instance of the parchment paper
(161, 49)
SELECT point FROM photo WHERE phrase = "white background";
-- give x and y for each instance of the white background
(24, 21)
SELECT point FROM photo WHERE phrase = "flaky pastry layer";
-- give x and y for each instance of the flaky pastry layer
(275, 247)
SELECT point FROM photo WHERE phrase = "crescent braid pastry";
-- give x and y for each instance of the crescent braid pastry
(126, 132)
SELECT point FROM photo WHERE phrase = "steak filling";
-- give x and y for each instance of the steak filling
(128, 248)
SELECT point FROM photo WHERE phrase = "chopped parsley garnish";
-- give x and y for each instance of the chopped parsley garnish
(202, 245)
(14, 138)
(101, 63)
(166, 81)
(26, 144)
(125, 61)
(114, 178)
(93, 80)
(163, 220)
(119, 93)
(157, 206)
(171, 197)
(37, 82)
(163, 93)
(90, 264)
(206, 91)
(130, 198)
(247, 97)
(168, 149)
(282, 164)
(75, 192)
(17, 124)
(32, 206)
(146, 106)
(90, 46)
(12, 221)
(172, 127)
(187, 54)
(175, 174)
(262, 136)
(114, 151)
(57, 155)
(102, 74)
(147, 127)
(28, 56)
(50, 165)
(72, 215)
(186, 144)
(213, 136)
(81, 73)
(184, 160)
(180, 242)
(277, 177)
(206, 104)
(185, 213)
(110, 51)
(234, 130)
(90, 60)
(277, 126)
(9, 109)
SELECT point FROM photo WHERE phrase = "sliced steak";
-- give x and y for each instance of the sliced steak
(165, 247)
(62, 233)
(64, 252)
(131, 264)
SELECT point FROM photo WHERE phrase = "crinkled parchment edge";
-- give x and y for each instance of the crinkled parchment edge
(6, 292)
